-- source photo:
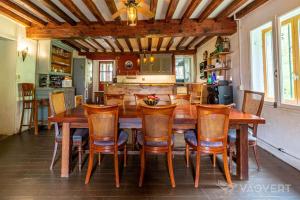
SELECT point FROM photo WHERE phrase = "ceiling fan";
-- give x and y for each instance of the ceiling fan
(132, 8)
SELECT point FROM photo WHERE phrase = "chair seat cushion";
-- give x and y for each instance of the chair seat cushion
(191, 138)
(140, 140)
(232, 135)
(123, 137)
(79, 135)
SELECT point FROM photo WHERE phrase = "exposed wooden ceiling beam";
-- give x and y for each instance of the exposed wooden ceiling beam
(109, 44)
(160, 41)
(143, 29)
(94, 10)
(70, 44)
(14, 16)
(52, 6)
(98, 44)
(119, 45)
(169, 44)
(182, 41)
(209, 9)
(153, 7)
(231, 8)
(78, 45)
(71, 6)
(171, 9)
(24, 13)
(190, 44)
(139, 44)
(249, 8)
(112, 8)
(190, 9)
(87, 45)
(203, 42)
(149, 44)
(41, 11)
(128, 44)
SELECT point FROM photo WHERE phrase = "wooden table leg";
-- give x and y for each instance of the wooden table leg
(65, 155)
(242, 152)
(36, 120)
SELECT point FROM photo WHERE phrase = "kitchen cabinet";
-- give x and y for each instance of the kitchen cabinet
(162, 65)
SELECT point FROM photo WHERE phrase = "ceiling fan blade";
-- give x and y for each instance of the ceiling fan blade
(118, 13)
(146, 12)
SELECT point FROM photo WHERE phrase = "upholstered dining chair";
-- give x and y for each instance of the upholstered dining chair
(252, 103)
(210, 136)
(105, 136)
(156, 136)
(180, 99)
(79, 136)
(114, 99)
(78, 100)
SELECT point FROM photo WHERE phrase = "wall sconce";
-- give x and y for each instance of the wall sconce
(152, 58)
(23, 53)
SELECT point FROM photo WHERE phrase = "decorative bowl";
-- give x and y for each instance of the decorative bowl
(151, 100)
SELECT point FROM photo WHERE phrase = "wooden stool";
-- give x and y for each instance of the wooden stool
(45, 103)
(29, 103)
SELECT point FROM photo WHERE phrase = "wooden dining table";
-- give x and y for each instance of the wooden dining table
(184, 119)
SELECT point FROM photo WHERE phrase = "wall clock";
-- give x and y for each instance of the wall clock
(128, 64)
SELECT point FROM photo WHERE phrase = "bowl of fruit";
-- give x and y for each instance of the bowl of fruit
(151, 100)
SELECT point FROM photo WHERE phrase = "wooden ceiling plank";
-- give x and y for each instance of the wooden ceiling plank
(182, 41)
(160, 41)
(86, 46)
(143, 29)
(153, 7)
(94, 10)
(94, 47)
(190, 9)
(250, 7)
(41, 11)
(149, 44)
(24, 13)
(231, 8)
(70, 44)
(14, 16)
(110, 45)
(203, 42)
(112, 8)
(119, 45)
(171, 9)
(71, 6)
(190, 44)
(128, 44)
(139, 44)
(209, 9)
(169, 44)
(78, 45)
(98, 44)
(53, 7)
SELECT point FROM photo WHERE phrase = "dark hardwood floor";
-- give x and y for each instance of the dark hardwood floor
(25, 174)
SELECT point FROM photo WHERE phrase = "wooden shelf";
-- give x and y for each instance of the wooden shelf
(60, 56)
(220, 54)
(217, 69)
(61, 64)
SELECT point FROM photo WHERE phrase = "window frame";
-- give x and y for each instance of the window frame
(105, 71)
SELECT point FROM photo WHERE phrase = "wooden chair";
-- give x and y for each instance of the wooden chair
(28, 103)
(180, 99)
(105, 136)
(78, 99)
(139, 99)
(252, 103)
(114, 99)
(210, 136)
(79, 137)
(156, 136)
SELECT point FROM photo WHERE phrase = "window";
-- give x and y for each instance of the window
(290, 63)
(106, 71)
(183, 69)
(262, 65)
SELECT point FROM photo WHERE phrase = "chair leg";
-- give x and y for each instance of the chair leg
(187, 155)
(230, 158)
(90, 166)
(79, 157)
(99, 159)
(54, 155)
(133, 139)
(31, 116)
(197, 169)
(226, 169)
(142, 170)
(214, 159)
(116, 168)
(256, 157)
(22, 118)
(125, 155)
(171, 170)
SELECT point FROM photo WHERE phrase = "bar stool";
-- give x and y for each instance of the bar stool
(28, 103)
(45, 103)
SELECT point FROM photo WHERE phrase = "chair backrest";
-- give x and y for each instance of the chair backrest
(180, 99)
(57, 103)
(27, 91)
(157, 123)
(103, 122)
(139, 99)
(253, 102)
(212, 123)
(114, 99)
(78, 99)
